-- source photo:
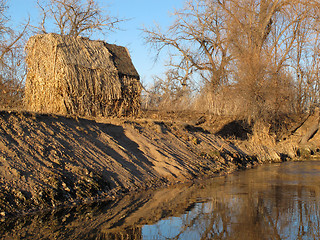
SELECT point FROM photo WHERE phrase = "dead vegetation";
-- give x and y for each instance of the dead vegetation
(75, 17)
(12, 65)
(251, 59)
(74, 75)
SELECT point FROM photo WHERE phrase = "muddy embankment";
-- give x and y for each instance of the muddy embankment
(121, 218)
(49, 160)
(208, 207)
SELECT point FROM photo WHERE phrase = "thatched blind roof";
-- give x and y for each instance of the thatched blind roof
(121, 58)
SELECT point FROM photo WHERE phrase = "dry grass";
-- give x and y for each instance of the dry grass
(74, 75)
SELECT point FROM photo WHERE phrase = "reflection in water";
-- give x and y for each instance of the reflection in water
(269, 202)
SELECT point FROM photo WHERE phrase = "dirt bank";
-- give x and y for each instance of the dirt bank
(50, 160)
(226, 198)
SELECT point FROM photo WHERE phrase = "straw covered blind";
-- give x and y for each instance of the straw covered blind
(75, 75)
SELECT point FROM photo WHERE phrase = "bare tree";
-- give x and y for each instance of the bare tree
(12, 67)
(264, 41)
(169, 93)
(199, 39)
(75, 17)
(259, 49)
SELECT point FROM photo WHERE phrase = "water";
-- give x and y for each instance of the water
(277, 201)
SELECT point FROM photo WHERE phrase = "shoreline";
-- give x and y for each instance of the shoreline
(47, 160)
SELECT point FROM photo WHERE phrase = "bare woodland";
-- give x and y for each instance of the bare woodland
(255, 59)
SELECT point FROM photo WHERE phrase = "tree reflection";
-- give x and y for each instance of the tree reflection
(281, 210)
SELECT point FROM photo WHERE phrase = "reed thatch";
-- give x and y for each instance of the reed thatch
(75, 75)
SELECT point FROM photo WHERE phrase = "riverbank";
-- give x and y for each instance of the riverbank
(49, 160)
(249, 199)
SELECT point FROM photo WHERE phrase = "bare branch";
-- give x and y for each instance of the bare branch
(248, 46)
(72, 17)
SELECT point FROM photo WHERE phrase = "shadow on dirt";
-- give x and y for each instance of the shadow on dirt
(238, 129)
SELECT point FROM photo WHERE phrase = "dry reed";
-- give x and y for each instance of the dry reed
(75, 75)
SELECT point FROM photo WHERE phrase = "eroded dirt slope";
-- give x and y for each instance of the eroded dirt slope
(48, 160)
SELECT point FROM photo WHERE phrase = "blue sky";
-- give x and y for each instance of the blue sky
(140, 12)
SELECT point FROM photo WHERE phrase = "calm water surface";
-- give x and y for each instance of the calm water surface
(277, 201)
